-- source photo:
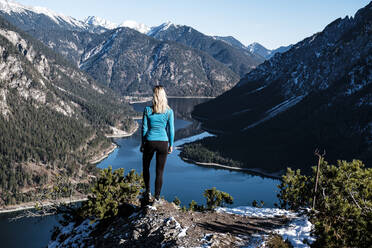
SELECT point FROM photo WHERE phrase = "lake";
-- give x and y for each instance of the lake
(188, 181)
(184, 180)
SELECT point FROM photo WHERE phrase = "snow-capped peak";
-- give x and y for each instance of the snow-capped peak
(255, 46)
(98, 21)
(140, 27)
(162, 27)
(8, 7)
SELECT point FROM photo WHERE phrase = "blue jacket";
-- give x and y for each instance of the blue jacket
(158, 127)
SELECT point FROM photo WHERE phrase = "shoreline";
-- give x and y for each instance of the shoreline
(31, 205)
(107, 152)
(121, 133)
(257, 171)
(188, 97)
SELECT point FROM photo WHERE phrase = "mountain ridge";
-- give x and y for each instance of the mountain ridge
(53, 117)
(138, 58)
(241, 61)
(322, 85)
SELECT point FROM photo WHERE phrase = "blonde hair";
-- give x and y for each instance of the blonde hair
(159, 100)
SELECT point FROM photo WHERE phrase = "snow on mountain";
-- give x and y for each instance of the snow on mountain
(162, 27)
(98, 21)
(10, 7)
(140, 27)
(231, 40)
(259, 49)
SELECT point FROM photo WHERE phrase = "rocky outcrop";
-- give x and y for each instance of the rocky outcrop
(166, 225)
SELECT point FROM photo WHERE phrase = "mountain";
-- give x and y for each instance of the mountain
(53, 117)
(25, 17)
(63, 34)
(98, 21)
(241, 61)
(259, 49)
(316, 95)
(132, 63)
(281, 49)
(254, 48)
(231, 41)
(184, 70)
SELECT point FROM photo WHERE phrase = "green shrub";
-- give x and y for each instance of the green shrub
(216, 198)
(258, 204)
(276, 241)
(177, 201)
(343, 211)
(295, 190)
(111, 190)
(193, 206)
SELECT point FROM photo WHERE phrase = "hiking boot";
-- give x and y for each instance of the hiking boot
(145, 199)
(157, 202)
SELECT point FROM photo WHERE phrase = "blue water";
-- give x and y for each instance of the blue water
(188, 181)
(26, 232)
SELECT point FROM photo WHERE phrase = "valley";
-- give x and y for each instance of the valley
(250, 121)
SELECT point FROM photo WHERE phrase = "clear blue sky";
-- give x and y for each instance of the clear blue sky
(272, 23)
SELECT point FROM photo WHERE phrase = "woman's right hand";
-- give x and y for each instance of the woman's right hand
(170, 149)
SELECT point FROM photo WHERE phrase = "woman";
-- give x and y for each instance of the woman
(157, 136)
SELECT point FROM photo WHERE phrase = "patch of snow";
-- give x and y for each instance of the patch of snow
(81, 233)
(102, 48)
(206, 240)
(296, 231)
(10, 6)
(162, 27)
(241, 112)
(96, 88)
(192, 138)
(152, 207)
(256, 90)
(172, 219)
(183, 232)
(276, 110)
(257, 212)
(98, 21)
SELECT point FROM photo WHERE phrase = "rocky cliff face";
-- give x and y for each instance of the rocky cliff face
(166, 225)
(318, 94)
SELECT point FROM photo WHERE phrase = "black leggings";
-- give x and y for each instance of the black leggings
(161, 149)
